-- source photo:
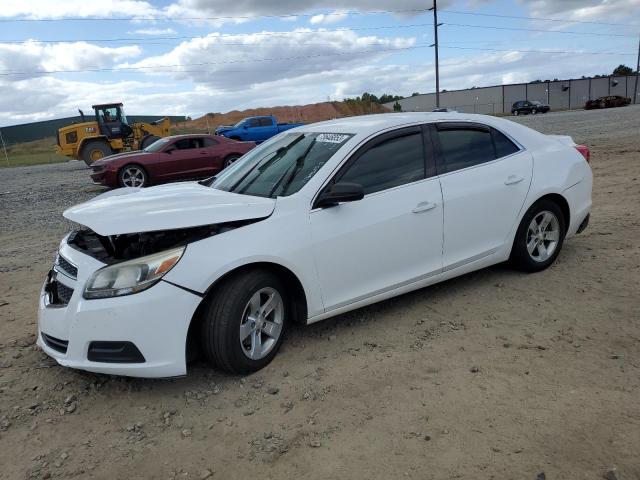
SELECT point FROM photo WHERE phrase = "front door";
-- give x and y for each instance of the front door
(390, 238)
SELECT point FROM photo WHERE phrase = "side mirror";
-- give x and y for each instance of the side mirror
(339, 192)
(245, 126)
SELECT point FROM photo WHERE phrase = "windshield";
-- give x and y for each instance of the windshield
(282, 166)
(157, 145)
(239, 124)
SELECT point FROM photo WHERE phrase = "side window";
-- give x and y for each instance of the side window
(265, 122)
(465, 147)
(503, 145)
(254, 122)
(393, 162)
(210, 142)
(183, 144)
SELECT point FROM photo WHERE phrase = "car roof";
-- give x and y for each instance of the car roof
(369, 124)
(188, 135)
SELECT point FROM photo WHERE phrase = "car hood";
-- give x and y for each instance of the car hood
(118, 156)
(166, 207)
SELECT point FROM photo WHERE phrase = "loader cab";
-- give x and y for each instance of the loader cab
(112, 121)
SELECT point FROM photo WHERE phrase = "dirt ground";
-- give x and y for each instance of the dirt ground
(494, 375)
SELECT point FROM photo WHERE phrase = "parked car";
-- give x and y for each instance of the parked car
(610, 101)
(180, 157)
(255, 129)
(311, 224)
(526, 107)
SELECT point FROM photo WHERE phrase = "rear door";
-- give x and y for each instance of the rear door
(485, 177)
(393, 236)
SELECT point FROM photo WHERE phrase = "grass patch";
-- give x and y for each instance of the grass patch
(37, 152)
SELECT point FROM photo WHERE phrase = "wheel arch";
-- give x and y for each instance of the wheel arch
(299, 306)
(562, 203)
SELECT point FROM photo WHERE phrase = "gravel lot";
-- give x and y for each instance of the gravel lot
(496, 374)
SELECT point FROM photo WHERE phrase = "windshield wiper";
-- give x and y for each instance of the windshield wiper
(300, 161)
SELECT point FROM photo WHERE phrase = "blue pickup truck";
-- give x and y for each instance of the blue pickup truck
(255, 129)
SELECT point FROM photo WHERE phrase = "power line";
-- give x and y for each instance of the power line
(142, 41)
(307, 15)
(539, 30)
(562, 20)
(236, 17)
(157, 67)
(225, 35)
(35, 72)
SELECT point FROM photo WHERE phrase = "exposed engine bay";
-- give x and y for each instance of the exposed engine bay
(117, 248)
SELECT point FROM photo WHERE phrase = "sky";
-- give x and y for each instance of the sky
(190, 57)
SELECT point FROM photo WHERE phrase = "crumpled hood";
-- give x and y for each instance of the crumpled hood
(166, 207)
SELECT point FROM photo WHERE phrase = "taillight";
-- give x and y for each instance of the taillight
(584, 150)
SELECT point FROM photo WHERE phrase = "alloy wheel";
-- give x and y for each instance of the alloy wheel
(261, 323)
(543, 236)
(133, 177)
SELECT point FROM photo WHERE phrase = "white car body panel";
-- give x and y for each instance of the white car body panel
(345, 257)
(165, 207)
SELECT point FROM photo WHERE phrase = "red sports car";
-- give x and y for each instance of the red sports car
(180, 157)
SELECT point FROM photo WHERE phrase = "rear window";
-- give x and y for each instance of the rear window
(504, 146)
(465, 147)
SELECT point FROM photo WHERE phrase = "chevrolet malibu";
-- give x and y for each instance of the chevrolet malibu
(315, 222)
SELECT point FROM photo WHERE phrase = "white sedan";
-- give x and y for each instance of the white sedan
(315, 222)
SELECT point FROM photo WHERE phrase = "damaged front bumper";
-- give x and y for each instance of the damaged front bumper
(141, 335)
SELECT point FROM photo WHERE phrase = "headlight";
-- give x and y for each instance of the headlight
(132, 276)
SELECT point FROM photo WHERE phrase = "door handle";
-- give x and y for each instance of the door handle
(424, 206)
(513, 179)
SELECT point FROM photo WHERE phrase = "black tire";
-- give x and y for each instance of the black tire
(148, 140)
(520, 256)
(95, 150)
(126, 172)
(516, 113)
(223, 315)
(230, 159)
(534, 111)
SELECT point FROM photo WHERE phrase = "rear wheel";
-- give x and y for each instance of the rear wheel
(534, 111)
(95, 150)
(133, 176)
(516, 113)
(230, 159)
(244, 322)
(540, 237)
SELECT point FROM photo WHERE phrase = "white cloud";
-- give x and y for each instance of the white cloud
(34, 57)
(153, 31)
(39, 9)
(334, 17)
(241, 61)
(584, 10)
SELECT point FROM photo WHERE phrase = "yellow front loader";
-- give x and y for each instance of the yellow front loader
(109, 133)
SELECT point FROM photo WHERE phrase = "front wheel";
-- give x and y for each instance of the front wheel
(133, 176)
(534, 111)
(244, 322)
(516, 113)
(540, 237)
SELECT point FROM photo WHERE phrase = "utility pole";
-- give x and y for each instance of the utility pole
(435, 30)
(635, 91)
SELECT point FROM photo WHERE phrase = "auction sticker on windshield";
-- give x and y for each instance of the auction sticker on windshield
(332, 137)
